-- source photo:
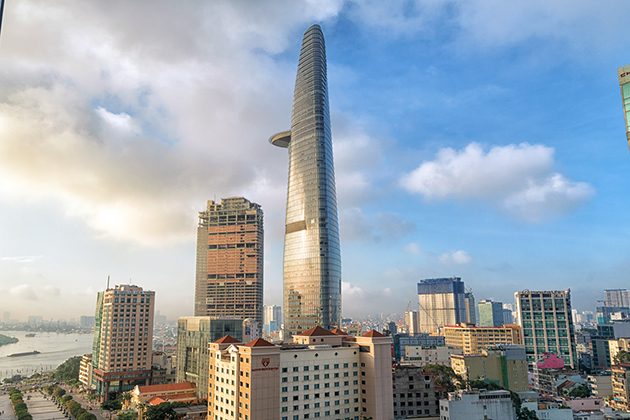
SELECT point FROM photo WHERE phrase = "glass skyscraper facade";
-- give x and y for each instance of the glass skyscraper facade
(312, 258)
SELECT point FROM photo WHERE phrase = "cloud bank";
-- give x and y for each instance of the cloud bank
(518, 179)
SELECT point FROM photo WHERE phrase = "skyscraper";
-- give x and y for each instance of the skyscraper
(624, 84)
(490, 313)
(442, 302)
(618, 298)
(312, 258)
(229, 278)
(545, 317)
(123, 337)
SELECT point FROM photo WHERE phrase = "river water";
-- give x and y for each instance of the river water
(55, 349)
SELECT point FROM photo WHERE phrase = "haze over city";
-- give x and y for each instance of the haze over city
(483, 140)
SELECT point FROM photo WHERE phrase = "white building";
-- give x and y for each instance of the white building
(549, 410)
(468, 405)
(423, 355)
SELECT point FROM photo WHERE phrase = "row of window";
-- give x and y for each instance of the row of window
(316, 367)
(318, 414)
(317, 405)
(316, 386)
(316, 377)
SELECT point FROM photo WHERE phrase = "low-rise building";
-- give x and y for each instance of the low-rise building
(620, 386)
(414, 393)
(549, 410)
(504, 365)
(401, 341)
(600, 385)
(477, 405)
(320, 374)
(167, 392)
(473, 339)
(429, 355)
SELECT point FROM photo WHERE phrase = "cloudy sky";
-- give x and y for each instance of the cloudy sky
(475, 138)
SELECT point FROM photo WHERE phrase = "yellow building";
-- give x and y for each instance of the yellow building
(472, 340)
(321, 374)
(621, 390)
(503, 365)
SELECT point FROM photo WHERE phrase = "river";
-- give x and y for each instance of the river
(55, 349)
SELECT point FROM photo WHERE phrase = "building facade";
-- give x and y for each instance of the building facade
(442, 302)
(401, 341)
(194, 335)
(412, 322)
(624, 84)
(123, 338)
(620, 386)
(414, 393)
(472, 340)
(229, 276)
(504, 365)
(312, 257)
(545, 317)
(430, 355)
(477, 405)
(618, 298)
(319, 374)
(490, 313)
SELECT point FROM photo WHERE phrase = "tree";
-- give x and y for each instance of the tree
(125, 399)
(59, 392)
(445, 376)
(622, 357)
(68, 370)
(162, 411)
(111, 405)
(128, 415)
(581, 391)
(526, 414)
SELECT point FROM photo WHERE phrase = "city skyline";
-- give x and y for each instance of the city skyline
(473, 140)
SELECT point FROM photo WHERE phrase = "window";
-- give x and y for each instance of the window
(283, 379)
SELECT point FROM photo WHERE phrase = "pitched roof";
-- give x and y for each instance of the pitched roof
(315, 332)
(183, 397)
(227, 340)
(337, 331)
(373, 334)
(166, 387)
(259, 342)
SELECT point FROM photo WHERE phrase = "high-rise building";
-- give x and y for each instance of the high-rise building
(229, 278)
(123, 337)
(412, 322)
(624, 84)
(442, 302)
(312, 257)
(471, 308)
(545, 317)
(194, 334)
(618, 298)
(87, 322)
(273, 313)
(490, 313)
(6, 317)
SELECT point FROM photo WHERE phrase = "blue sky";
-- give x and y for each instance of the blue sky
(481, 139)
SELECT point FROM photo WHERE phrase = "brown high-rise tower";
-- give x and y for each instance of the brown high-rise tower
(230, 260)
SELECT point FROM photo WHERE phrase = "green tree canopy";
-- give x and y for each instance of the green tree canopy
(581, 391)
(59, 392)
(622, 357)
(444, 376)
(111, 405)
(68, 370)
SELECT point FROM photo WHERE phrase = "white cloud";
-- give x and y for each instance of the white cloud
(355, 225)
(23, 291)
(348, 290)
(518, 179)
(51, 291)
(21, 259)
(413, 249)
(456, 257)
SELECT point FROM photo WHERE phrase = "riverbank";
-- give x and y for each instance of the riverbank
(5, 339)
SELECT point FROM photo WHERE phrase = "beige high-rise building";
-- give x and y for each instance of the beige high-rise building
(229, 278)
(321, 374)
(123, 337)
(412, 322)
(472, 340)
(443, 302)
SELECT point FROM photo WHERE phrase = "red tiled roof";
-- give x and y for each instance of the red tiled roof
(315, 332)
(259, 342)
(166, 387)
(373, 334)
(337, 331)
(227, 340)
(183, 397)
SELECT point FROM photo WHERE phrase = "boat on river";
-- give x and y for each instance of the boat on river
(27, 353)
